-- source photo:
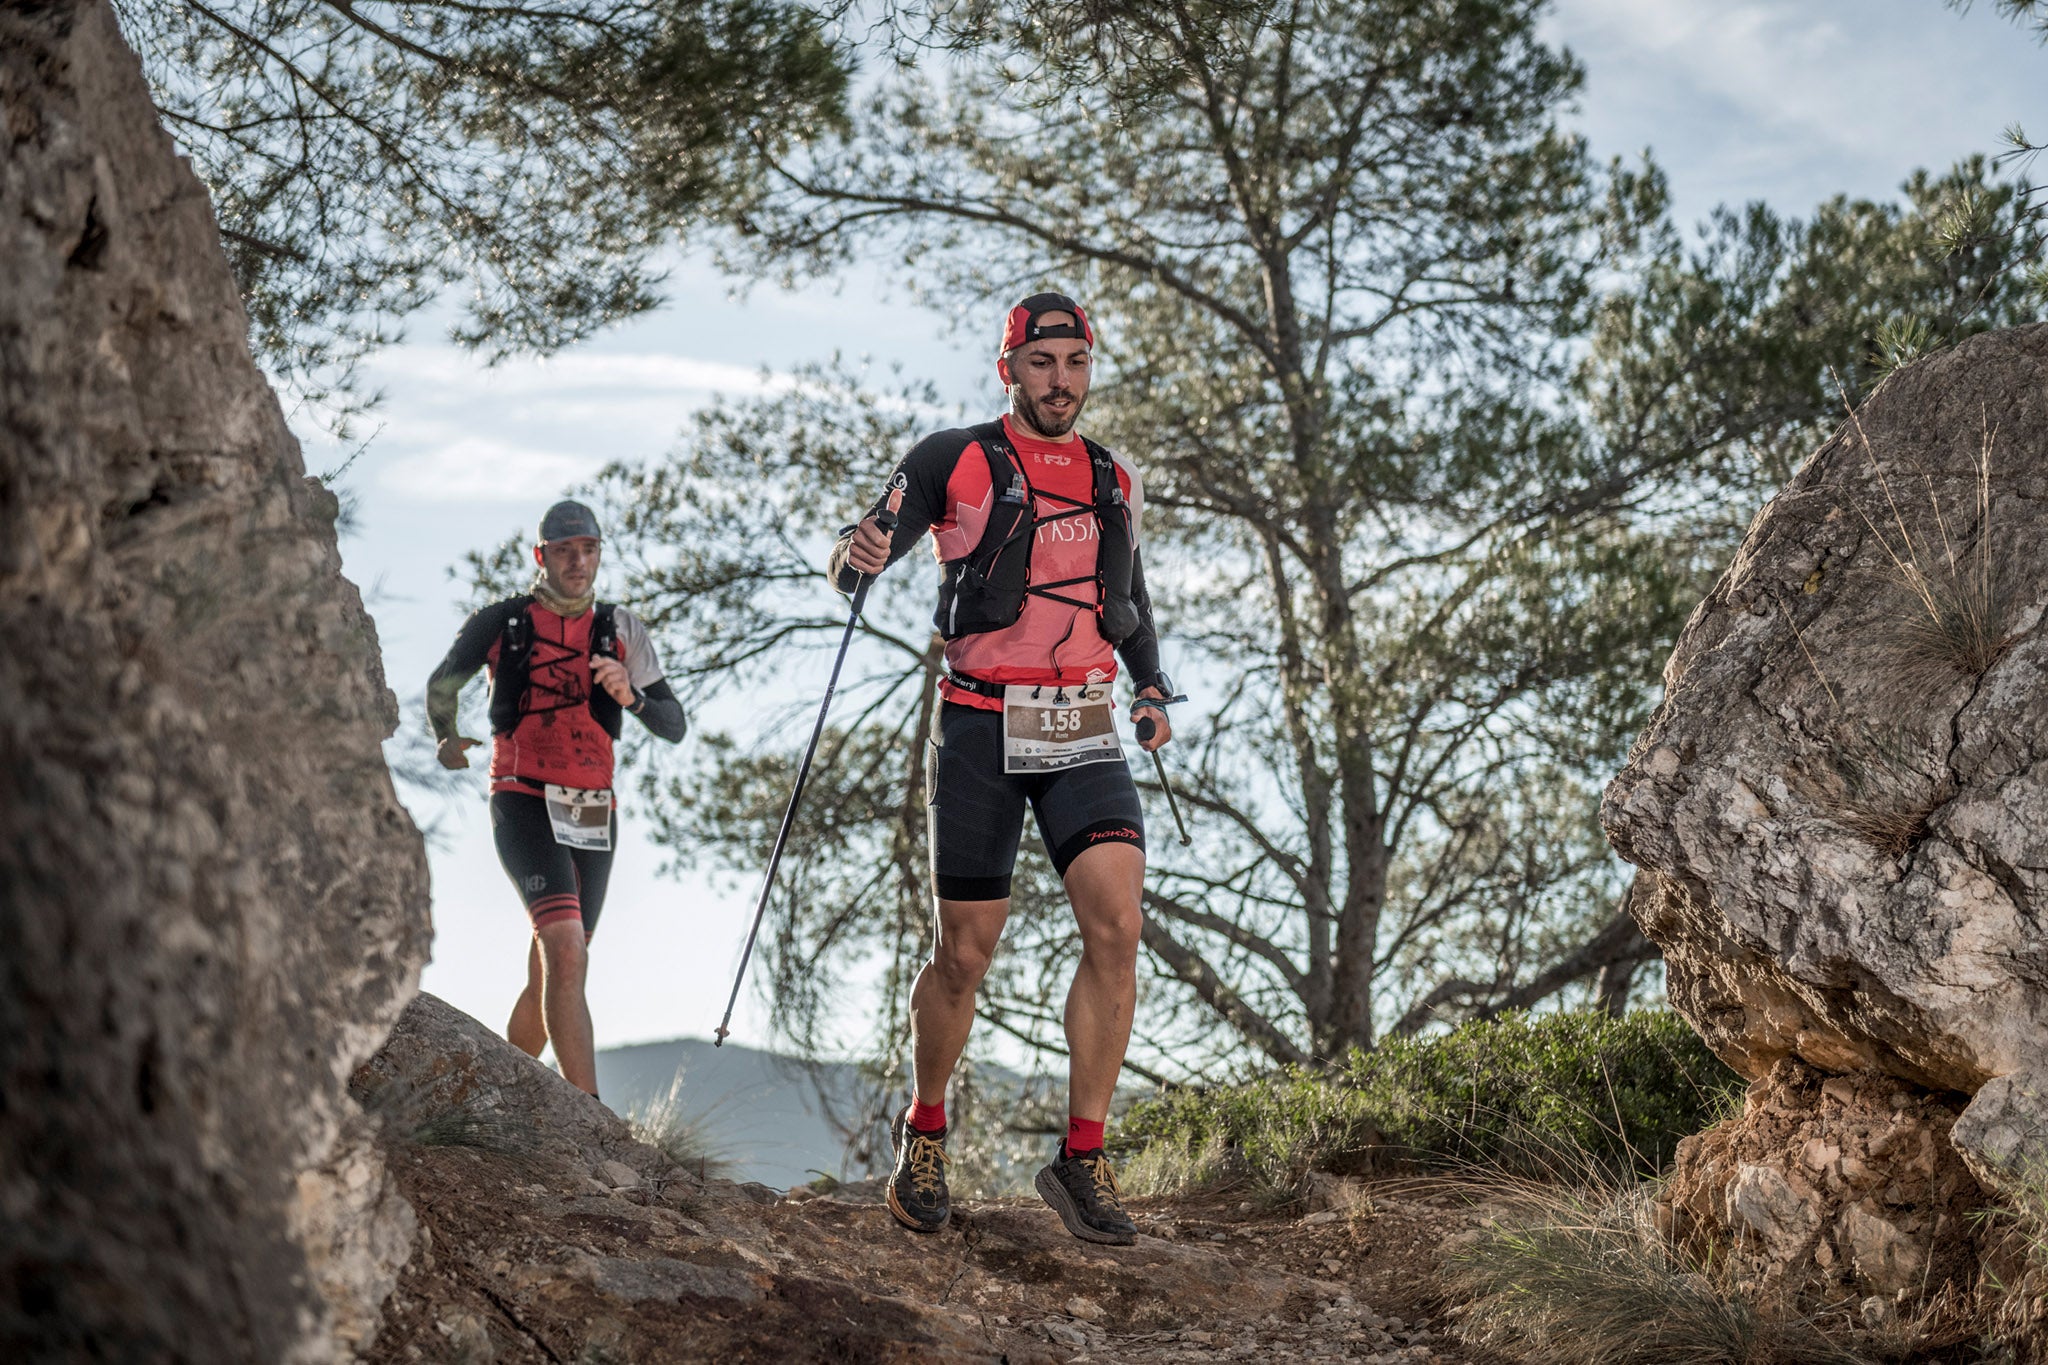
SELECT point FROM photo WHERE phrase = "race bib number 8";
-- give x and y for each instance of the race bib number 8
(1046, 727)
(582, 818)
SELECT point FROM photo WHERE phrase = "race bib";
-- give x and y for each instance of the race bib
(1048, 726)
(582, 819)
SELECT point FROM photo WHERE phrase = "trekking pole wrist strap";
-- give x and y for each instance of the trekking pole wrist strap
(1157, 703)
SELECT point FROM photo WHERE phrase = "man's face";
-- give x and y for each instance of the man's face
(1049, 381)
(570, 564)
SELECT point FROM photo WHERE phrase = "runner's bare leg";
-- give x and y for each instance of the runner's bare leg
(564, 961)
(1105, 885)
(528, 1031)
(942, 999)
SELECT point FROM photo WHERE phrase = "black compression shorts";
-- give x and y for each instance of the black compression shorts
(977, 810)
(557, 883)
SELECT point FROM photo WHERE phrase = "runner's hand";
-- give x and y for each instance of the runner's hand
(1162, 731)
(610, 674)
(869, 553)
(451, 751)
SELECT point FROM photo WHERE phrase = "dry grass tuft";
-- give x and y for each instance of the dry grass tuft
(1170, 1170)
(1582, 1276)
(1958, 623)
(667, 1124)
(1882, 784)
(2015, 1288)
(410, 1117)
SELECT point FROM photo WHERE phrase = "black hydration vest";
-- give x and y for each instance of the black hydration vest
(986, 590)
(515, 652)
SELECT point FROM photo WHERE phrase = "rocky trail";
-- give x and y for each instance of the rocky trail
(548, 1234)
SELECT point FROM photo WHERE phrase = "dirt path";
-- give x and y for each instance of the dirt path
(549, 1236)
(527, 1264)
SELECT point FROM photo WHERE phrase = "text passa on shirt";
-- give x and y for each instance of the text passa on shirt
(1053, 641)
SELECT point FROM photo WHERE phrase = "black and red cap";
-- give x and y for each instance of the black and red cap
(1023, 325)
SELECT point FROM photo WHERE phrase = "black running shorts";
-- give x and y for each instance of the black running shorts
(977, 810)
(557, 883)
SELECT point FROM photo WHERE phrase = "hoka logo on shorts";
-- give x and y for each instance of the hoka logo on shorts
(1121, 832)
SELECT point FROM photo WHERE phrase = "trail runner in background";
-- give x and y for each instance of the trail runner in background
(564, 668)
(1042, 585)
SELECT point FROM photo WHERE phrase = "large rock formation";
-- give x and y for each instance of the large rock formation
(1840, 811)
(212, 905)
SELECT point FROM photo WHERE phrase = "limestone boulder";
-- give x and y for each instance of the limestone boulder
(212, 905)
(1832, 1186)
(1840, 809)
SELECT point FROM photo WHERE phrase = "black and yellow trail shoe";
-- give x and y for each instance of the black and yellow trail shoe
(1082, 1190)
(917, 1186)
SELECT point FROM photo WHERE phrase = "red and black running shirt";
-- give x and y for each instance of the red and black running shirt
(557, 739)
(946, 490)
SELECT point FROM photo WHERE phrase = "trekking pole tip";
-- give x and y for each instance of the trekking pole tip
(721, 1031)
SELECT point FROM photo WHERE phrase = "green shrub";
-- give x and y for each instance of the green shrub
(1543, 1096)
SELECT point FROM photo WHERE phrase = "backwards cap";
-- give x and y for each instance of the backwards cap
(1023, 324)
(567, 520)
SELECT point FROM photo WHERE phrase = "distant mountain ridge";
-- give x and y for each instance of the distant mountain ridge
(761, 1111)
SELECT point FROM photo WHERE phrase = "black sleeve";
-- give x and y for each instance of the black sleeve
(925, 472)
(472, 646)
(1140, 649)
(661, 711)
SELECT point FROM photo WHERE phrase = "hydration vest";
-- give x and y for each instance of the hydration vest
(509, 681)
(985, 590)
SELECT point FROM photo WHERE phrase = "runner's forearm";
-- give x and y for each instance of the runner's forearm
(444, 688)
(1140, 650)
(661, 711)
(922, 475)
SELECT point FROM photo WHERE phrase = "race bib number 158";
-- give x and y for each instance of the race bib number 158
(1046, 727)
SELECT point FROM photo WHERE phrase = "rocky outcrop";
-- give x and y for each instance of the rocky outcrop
(211, 902)
(1840, 810)
(1837, 1183)
(551, 1234)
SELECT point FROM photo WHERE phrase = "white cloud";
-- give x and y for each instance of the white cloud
(1793, 100)
(481, 469)
(449, 367)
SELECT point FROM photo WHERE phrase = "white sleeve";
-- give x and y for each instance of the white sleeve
(1137, 498)
(643, 666)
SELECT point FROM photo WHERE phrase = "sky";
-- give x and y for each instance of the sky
(1788, 101)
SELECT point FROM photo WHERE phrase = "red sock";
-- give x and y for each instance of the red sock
(927, 1118)
(1083, 1135)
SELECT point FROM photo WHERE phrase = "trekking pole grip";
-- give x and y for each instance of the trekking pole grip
(885, 522)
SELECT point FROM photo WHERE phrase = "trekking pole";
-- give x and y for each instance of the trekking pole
(885, 521)
(1146, 728)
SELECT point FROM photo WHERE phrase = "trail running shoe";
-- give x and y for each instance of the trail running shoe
(917, 1186)
(1083, 1191)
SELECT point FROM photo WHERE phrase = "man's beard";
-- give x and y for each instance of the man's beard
(1042, 421)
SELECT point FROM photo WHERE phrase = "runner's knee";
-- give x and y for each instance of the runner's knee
(1112, 934)
(563, 953)
(961, 963)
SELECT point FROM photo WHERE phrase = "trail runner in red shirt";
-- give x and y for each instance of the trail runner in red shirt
(565, 668)
(1042, 587)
